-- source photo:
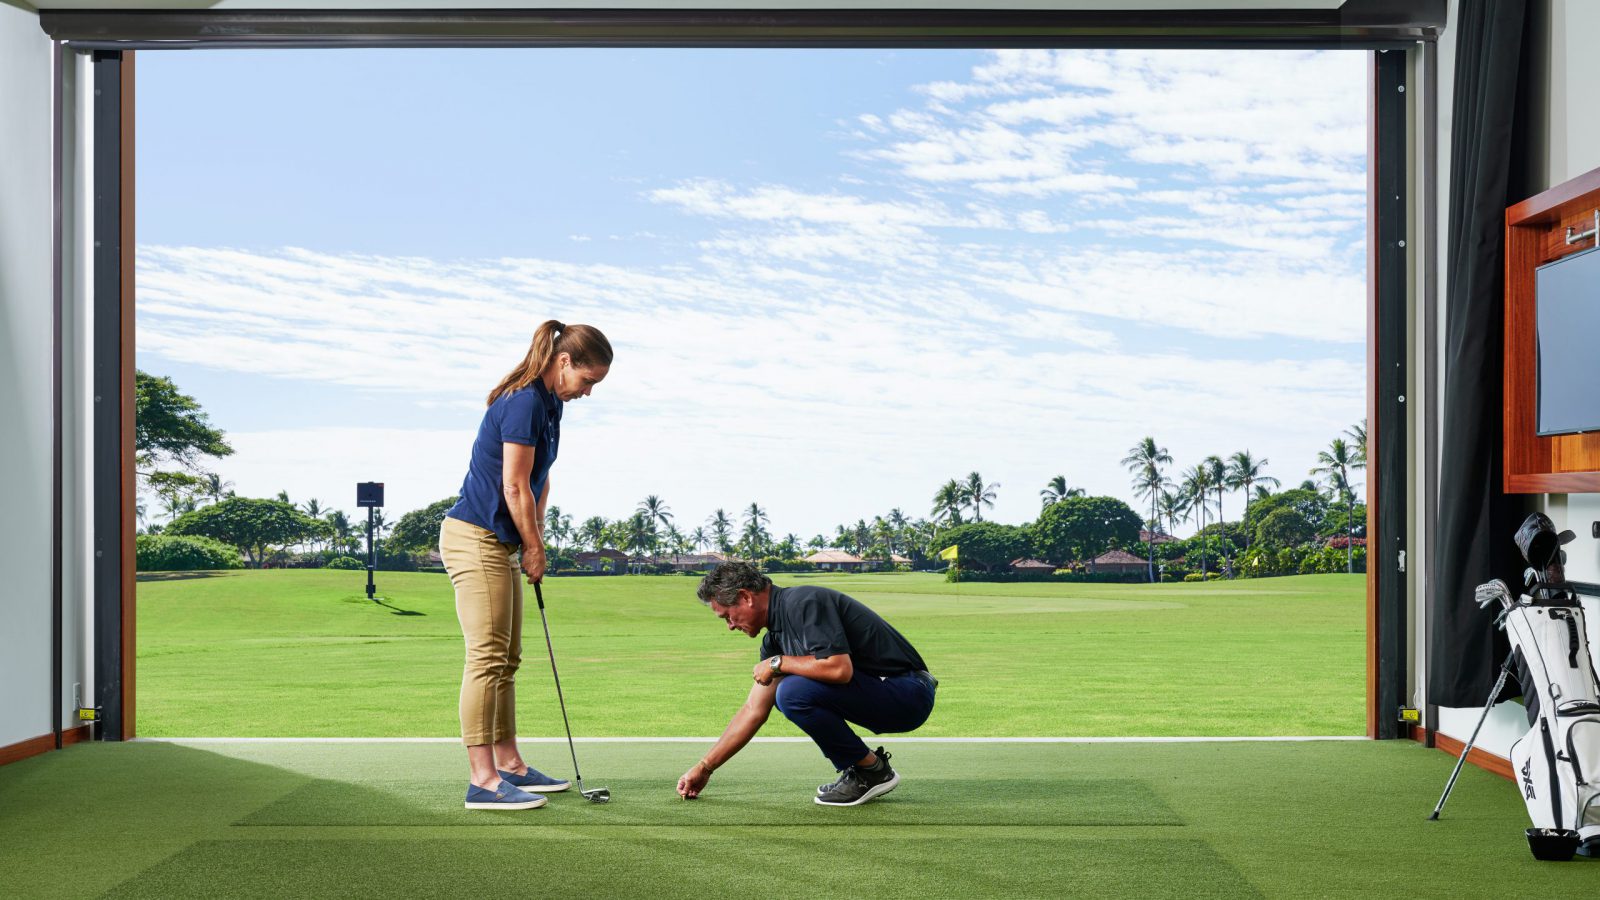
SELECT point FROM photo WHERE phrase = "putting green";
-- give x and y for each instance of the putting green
(742, 801)
(297, 819)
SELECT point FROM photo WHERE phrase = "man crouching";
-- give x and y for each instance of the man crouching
(826, 660)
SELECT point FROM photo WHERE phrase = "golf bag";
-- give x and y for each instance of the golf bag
(1557, 762)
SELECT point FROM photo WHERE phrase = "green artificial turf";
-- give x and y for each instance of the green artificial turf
(1318, 819)
(303, 653)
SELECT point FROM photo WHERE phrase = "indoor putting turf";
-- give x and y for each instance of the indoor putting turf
(301, 819)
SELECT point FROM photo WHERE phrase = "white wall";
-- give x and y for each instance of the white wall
(25, 361)
(1571, 147)
(1565, 140)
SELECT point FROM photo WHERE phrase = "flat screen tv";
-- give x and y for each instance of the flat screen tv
(1567, 300)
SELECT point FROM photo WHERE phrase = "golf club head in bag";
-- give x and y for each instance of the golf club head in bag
(1494, 591)
(1540, 544)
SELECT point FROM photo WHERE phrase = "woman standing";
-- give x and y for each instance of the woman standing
(502, 508)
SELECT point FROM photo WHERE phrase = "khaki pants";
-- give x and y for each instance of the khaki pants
(488, 587)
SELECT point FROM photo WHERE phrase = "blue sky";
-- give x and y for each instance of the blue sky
(834, 279)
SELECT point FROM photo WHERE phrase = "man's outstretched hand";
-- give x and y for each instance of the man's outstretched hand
(693, 781)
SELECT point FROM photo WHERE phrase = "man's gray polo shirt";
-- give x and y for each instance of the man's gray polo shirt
(816, 621)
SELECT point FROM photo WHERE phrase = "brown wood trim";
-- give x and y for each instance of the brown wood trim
(1372, 387)
(1535, 235)
(81, 734)
(1554, 483)
(129, 488)
(1483, 759)
(1545, 207)
(44, 743)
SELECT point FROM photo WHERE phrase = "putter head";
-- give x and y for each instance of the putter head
(597, 795)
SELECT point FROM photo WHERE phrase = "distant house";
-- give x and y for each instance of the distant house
(1155, 537)
(594, 561)
(690, 562)
(1031, 565)
(836, 561)
(1118, 562)
(877, 563)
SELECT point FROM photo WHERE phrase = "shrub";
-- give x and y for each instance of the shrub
(1059, 576)
(777, 564)
(183, 553)
(346, 562)
(1208, 576)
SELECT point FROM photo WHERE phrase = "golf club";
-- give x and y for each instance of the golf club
(598, 795)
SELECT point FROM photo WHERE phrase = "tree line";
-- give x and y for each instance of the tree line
(1274, 534)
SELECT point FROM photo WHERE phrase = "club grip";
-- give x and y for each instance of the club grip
(538, 594)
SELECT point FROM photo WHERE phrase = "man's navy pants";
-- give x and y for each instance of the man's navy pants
(883, 705)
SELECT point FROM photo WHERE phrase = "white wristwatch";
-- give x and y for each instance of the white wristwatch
(776, 663)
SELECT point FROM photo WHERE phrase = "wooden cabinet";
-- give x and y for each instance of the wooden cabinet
(1536, 231)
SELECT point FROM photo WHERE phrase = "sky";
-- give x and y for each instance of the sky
(833, 279)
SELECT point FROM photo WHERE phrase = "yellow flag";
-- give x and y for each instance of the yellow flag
(948, 552)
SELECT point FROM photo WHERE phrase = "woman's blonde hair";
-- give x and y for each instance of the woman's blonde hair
(584, 343)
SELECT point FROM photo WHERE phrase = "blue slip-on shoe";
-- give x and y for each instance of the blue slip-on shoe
(505, 796)
(535, 780)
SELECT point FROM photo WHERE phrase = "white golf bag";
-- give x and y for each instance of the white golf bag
(1557, 763)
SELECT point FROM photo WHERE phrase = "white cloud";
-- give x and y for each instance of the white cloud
(839, 399)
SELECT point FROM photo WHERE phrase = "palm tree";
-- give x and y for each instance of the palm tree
(754, 536)
(215, 488)
(655, 510)
(789, 547)
(1335, 464)
(861, 536)
(1358, 437)
(1056, 490)
(676, 542)
(592, 533)
(947, 502)
(343, 531)
(640, 534)
(1219, 483)
(979, 495)
(1245, 471)
(175, 504)
(897, 526)
(699, 538)
(1172, 506)
(721, 527)
(557, 526)
(312, 508)
(817, 543)
(1145, 460)
(1196, 487)
(283, 496)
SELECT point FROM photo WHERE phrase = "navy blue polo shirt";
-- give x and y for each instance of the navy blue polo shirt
(811, 620)
(532, 417)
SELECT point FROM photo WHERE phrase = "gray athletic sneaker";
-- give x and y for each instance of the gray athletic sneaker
(858, 784)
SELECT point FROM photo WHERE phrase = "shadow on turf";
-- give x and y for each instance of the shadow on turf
(395, 610)
(178, 576)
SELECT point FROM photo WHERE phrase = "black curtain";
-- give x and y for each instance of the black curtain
(1476, 519)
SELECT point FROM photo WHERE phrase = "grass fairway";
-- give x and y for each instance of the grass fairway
(303, 653)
